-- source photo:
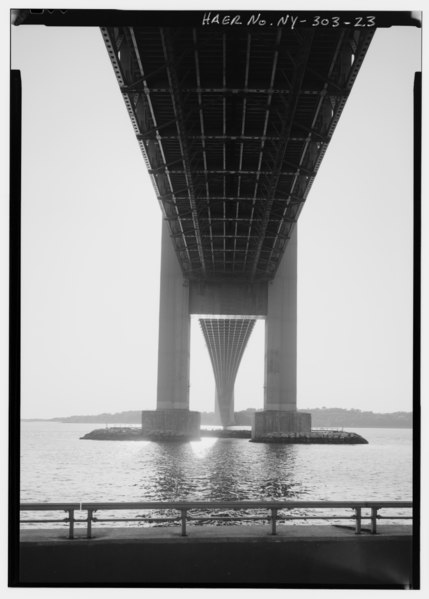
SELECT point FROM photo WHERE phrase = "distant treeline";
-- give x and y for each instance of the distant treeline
(332, 417)
(348, 418)
(129, 417)
(321, 417)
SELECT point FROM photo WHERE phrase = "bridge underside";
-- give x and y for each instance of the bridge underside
(233, 125)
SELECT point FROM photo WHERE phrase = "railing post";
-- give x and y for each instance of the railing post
(373, 520)
(273, 520)
(71, 524)
(183, 517)
(88, 524)
(358, 512)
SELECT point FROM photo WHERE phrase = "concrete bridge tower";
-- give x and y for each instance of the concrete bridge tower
(234, 308)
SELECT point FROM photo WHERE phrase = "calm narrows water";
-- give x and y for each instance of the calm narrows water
(56, 466)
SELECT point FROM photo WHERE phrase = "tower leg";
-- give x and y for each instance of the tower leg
(172, 415)
(280, 414)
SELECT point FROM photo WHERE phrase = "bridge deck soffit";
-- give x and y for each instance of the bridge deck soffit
(233, 127)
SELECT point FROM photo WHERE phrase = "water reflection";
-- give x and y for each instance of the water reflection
(226, 472)
(278, 462)
(201, 448)
(168, 481)
(218, 470)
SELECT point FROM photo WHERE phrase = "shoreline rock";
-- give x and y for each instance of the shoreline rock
(320, 437)
(314, 437)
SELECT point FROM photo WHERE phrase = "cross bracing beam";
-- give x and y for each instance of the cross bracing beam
(138, 88)
(172, 134)
(233, 126)
(298, 170)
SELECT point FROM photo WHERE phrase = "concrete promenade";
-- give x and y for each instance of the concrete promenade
(220, 555)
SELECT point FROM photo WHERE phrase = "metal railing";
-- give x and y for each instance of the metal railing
(184, 507)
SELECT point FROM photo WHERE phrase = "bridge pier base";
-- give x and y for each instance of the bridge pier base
(280, 421)
(171, 424)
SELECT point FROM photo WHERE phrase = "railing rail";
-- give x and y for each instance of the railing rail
(184, 507)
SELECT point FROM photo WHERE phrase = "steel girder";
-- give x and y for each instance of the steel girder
(233, 126)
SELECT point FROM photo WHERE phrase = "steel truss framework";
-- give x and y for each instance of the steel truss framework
(226, 340)
(233, 126)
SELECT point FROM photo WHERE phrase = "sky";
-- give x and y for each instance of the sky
(91, 229)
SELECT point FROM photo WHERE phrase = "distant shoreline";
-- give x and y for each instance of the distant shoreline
(136, 425)
(321, 418)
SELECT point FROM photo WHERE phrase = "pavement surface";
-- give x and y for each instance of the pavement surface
(233, 534)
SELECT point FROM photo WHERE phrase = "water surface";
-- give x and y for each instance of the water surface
(56, 466)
